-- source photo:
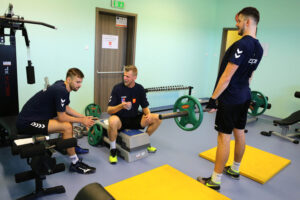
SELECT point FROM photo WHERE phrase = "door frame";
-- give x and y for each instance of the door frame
(130, 45)
(223, 42)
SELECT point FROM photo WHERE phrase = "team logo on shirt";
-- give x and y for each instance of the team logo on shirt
(62, 102)
(123, 98)
(252, 61)
(238, 53)
(37, 125)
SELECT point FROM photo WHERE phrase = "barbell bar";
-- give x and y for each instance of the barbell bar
(186, 108)
(188, 114)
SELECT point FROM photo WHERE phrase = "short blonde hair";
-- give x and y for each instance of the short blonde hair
(131, 68)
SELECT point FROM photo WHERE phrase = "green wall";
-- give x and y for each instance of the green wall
(178, 42)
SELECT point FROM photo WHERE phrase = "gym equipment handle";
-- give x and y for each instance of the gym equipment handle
(177, 114)
(261, 106)
(116, 72)
(172, 115)
(25, 21)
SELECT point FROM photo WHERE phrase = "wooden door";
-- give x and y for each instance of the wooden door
(115, 48)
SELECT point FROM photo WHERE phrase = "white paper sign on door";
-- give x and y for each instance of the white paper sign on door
(110, 41)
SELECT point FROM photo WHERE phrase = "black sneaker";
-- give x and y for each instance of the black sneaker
(82, 168)
(209, 183)
(230, 172)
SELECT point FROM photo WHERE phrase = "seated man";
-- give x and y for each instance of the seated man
(125, 99)
(48, 111)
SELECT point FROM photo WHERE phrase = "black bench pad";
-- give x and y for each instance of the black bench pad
(292, 119)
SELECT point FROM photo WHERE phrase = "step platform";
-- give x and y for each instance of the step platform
(131, 144)
(129, 139)
(129, 156)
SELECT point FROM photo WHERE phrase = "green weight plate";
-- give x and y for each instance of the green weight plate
(95, 134)
(93, 110)
(195, 113)
(258, 105)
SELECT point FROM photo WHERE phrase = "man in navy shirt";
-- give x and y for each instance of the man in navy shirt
(125, 99)
(232, 95)
(48, 111)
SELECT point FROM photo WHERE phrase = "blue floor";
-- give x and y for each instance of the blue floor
(175, 147)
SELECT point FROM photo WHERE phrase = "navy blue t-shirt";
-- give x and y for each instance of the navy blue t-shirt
(45, 104)
(246, 53)
(136, 95)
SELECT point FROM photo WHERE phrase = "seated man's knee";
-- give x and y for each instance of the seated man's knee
(67, 128)
(156, 119)
(114, 122)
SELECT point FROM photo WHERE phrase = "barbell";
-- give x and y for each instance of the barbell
(188, 112)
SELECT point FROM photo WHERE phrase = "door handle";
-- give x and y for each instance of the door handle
(115, 72)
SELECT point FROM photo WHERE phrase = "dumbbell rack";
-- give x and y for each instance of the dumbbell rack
(167, 89)
(131, 144)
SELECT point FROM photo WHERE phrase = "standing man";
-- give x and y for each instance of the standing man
(48, 111)
(232, 95)
(125, 99)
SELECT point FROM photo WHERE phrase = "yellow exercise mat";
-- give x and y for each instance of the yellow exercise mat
(163, 182)
(258, 165)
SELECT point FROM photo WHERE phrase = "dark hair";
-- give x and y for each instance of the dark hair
(250, 12)
(74, 72)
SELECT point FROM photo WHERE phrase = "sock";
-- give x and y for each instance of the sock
(74, 158)
(216, 178)
(236, 166)
(113, 145)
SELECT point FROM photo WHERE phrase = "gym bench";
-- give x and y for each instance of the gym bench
(38, 152)
(285, 125)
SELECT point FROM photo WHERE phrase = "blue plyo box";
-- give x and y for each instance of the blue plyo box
(132, 132)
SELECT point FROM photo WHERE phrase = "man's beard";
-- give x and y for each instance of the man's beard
(73, 88)
(241, 31)
(126, 83)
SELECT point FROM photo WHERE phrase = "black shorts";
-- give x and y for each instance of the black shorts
(231, 116)
(34, 128)
(131, 122)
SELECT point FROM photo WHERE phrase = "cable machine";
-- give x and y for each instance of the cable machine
(9, 106)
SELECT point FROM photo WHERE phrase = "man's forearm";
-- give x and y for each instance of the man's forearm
(114, 109)
(73, 112)
(222, 85)
(64, 117)
(224, 79)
